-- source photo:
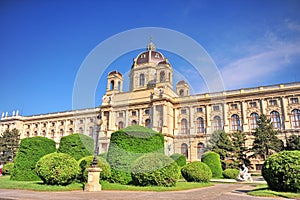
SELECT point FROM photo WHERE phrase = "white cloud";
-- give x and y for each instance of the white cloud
(254, 68)
(270, 56)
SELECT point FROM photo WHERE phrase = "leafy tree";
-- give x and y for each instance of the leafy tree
(221, 144)
(9, 143)
(239, 148)
(293, 142)
(265, 138)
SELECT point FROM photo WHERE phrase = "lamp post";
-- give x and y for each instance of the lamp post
(98, 128)
(94, 171)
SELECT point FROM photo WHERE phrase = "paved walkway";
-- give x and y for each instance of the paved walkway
(217, 192)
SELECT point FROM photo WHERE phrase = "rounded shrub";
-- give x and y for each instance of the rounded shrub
(7, 168)
(85, 163)
(179, 159)
(128, 144)
(230, 173)
(29, 152)
(212, 160)
(196, 172)
(57, 169)
(77, 145)
(282, 171)
(155, 169)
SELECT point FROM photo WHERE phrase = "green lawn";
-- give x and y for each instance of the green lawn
(263, 191)
(6, 183)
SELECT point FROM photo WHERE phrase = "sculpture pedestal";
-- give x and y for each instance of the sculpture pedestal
(93, 180)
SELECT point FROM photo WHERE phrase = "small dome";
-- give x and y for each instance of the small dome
(114, 72)
(182, 82)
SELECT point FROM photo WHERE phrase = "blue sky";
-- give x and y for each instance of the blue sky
(43, 43)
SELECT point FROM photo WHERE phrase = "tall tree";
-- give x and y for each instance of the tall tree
(265, 138)
(9, 143)
(239, 147)
(221, 144)
(293, 142)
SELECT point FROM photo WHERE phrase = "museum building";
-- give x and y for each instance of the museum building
(187, 121)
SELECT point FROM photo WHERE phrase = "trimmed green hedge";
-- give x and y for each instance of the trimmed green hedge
(230, 173)
(179, 159)
(128, 144)
(57, 169)
(155, 169)
(7, 168)
(77, 145)
(282, 171)
(85, 163)
(212, 160)
(29, 152)
(196, 172)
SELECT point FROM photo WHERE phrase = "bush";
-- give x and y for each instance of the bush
(128, 144)
(57, 169)
(282, 171)
(155, 169)
(85, 163)
(77, 145)
(212, 160)
(230, 173)
(29, 152)
(179, 159)
(103, 155)
(196, 172)
(7, 168)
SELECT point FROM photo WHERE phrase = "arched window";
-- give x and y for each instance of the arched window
(112, 85)
(235, 122)
(296, 118)
(253, 120)
(217, 123)
(148, 123)
(200, 150)
(142, 79)
(71, 131)
(81, 130)
(275, 119)
(162, 77)
(119, 85)
(184, 150)
(91, 131)
(200, 125)
(133, 122)
(183, 126)
(181, 92)
(120, 125)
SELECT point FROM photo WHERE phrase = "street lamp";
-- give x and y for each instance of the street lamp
(98, 128)
(94, 171)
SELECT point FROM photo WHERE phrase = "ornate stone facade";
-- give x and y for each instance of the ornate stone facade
(187, 121)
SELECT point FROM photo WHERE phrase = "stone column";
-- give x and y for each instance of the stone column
(225, 116)
(208, 122)
(93, 180)
(244, 117)
(286, 119)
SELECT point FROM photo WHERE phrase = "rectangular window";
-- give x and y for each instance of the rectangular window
(294, 100)
(199, 110)
(81, 121)
(183, 111)
(133, 113)
(120, 114)
(234, 106)
(147, 111)
(273, 102)
(253, 104)
(216, 108)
